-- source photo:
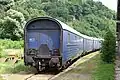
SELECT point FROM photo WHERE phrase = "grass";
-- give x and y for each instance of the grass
(1, 78)
(9, 67)
(13, 68)
(4, 53)
(104, 71)
(16, 52)
(83, 71)
(94, 69)
(9, 44)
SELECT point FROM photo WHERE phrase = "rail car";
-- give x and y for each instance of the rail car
(50, 42)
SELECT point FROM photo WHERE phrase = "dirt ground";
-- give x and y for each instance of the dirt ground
(32, 75)
(80, 70)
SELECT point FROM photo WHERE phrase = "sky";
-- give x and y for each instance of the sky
(112, 4)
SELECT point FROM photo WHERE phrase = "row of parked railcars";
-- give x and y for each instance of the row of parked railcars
(50, 42)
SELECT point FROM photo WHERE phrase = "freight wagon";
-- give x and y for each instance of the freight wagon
(50, 42)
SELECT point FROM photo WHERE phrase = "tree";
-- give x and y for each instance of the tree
(11, 29)
(16, 15)
(6, 4)
(108, 48)
(86, 16)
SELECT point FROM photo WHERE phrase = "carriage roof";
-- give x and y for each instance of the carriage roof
(65, 27)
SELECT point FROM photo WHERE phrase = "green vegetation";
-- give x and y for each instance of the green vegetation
(9, 44)
(11, 47)
(93, 69)
(13, 68)
(86, 16)
(108, 48)
(104, 71)
(1, 52)
(16, 52)
(83, 71)
(105, 66)
(1, 78)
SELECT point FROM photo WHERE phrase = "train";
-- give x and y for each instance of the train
(48, 42)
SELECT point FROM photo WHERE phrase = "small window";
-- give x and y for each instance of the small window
(68, 37)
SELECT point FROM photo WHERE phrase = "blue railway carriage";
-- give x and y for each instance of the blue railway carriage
(50, 42)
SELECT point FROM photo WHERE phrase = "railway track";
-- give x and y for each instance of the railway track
(32, 75)
(52, 76)
(40, 77)
(45, 75)
(48, 74)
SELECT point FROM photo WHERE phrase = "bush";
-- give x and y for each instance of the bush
(13, 68)
(108, 48)
(1, 51)
(9, 44)
(103, 71)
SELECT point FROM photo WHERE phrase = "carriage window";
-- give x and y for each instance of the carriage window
(68, 37)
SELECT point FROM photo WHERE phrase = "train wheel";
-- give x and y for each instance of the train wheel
(60, 68)
(39, 66)
(64, 66)
(69, 62)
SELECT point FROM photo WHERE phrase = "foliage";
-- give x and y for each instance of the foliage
(86, 16)
(6, 4)
(108, 48)
(13, 30)
(10, 68)
(9, 44)
(1, 78)
(1, 51)
(103, 71)
(92, 69)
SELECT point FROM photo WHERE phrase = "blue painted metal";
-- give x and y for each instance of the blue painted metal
(32, 40)
(49, 32)
(49, 37)
(71, 46)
